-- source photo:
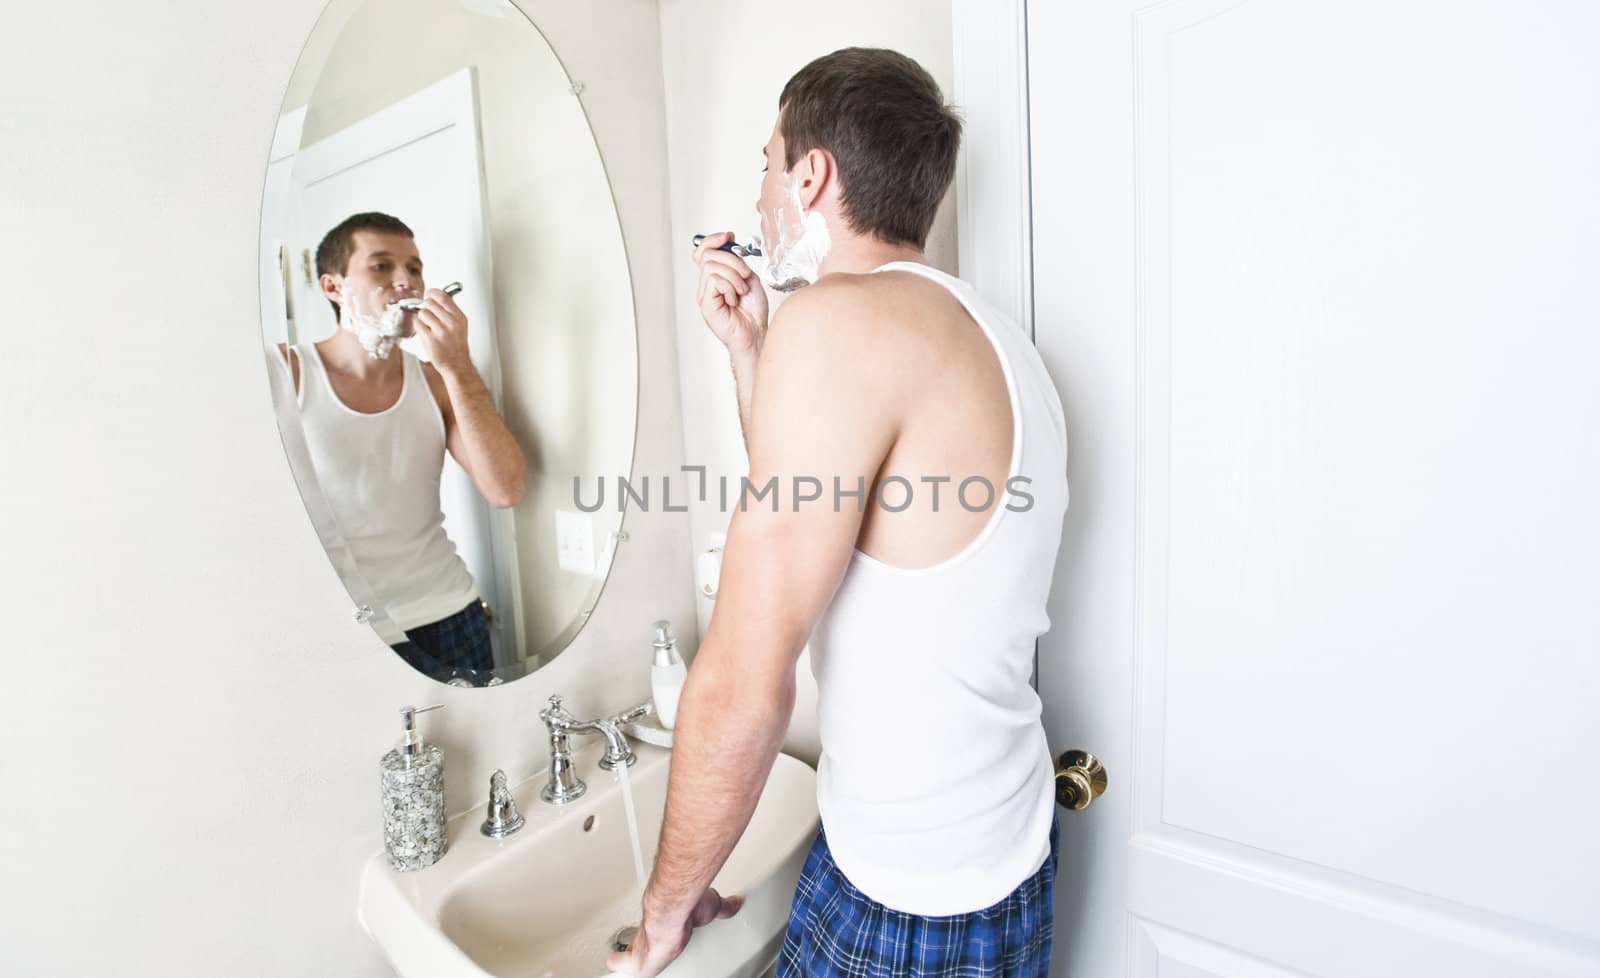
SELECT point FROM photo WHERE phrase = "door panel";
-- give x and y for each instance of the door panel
(1315, 278)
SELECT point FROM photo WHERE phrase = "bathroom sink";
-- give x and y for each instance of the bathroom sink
(546, 901)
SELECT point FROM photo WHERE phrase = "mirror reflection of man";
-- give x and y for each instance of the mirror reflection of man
(378, 421)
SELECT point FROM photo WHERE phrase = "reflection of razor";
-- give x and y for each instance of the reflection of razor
(412, 305)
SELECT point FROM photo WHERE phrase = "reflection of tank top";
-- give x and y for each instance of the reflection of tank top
(380, 473)
(935, 781)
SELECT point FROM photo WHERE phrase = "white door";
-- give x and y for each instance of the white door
(1318, 281)
(420, 159)
(279, 261)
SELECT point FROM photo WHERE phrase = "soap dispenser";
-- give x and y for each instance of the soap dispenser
(667, 673)
(413, 799)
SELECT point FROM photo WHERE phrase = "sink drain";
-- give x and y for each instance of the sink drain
(622, 940)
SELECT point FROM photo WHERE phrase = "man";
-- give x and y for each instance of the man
(378, 421)
(937, 849)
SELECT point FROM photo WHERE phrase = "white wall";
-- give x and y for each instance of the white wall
(722, 99)
(189, 740)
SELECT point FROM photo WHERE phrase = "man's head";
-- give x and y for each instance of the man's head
(369, 254)
(874, 125)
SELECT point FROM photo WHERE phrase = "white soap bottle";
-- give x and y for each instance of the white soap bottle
(667, 674)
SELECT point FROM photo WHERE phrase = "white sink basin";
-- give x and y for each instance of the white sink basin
(545, 902)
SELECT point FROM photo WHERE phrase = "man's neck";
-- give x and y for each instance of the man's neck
(854, 254)
(343, 353)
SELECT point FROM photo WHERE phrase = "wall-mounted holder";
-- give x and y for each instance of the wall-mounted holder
(708, 567)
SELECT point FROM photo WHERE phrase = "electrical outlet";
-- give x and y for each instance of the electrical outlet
(574, 542)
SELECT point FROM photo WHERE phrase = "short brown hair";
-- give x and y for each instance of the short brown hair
(333, 254)
(884, 120)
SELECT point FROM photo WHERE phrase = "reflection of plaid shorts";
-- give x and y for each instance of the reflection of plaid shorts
(836, 931)
(458, 645)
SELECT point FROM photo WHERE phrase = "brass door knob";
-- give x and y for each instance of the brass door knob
(1080, 779)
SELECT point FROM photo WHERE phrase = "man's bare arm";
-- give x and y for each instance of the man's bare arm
(734, 306)
(477, 437)
(474, 432)
(293, 360)
(822, 410)
(744, 383)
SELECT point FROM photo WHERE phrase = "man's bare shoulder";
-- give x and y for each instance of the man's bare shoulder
(831, 391)
(860, 323)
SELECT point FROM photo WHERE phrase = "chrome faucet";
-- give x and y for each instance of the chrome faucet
(503, 819)
(565, 785)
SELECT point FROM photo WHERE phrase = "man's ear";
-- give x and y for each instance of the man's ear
(813, 172)
(332, 286)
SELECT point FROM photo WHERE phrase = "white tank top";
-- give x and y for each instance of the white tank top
(935, 783)
(380, 473)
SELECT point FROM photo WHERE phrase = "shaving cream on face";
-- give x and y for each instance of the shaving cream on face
(794, 259)
(378, 333)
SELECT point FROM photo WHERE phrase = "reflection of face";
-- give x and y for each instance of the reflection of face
(386, 263)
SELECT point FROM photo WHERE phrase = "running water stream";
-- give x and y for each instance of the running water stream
(633, 829)
(622, 938)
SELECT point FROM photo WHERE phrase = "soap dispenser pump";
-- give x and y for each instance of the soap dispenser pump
(667, 675)
(413, 798)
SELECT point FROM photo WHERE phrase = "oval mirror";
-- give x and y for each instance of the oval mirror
(448, 322)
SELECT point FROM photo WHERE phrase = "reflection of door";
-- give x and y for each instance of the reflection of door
(1317, 281)
(280, 269)
(420, 160)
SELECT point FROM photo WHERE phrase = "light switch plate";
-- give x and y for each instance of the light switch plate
(575, 541)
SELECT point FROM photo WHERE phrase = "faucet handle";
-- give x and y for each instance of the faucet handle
(503, 817)
(554, 710)
(637, 713)
(618, 753)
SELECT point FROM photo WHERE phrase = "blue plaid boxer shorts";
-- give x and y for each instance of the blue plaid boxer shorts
(836, 931)
(458, 645)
